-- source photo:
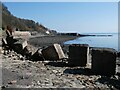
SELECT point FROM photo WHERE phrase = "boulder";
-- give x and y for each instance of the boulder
(4, 42)
(19, 46)
(37, 56)
(4, 45)
(1, 50)
(27, 52)
(53, 52)
(104, 61)
(78, 54)
(118, 54)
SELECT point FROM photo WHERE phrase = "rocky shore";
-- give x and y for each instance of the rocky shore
(49, 40)
(19, 72)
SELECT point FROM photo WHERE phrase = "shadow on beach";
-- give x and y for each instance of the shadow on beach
(57, 64)
(83, 71)
(110, 81)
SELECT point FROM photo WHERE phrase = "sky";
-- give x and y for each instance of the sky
(81, 17)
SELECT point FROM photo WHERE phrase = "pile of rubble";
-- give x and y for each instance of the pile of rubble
(90, 61)
(103, 60)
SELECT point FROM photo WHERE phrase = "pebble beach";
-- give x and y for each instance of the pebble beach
(18, 72)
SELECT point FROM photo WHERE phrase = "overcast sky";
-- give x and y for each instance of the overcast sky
(82, 17)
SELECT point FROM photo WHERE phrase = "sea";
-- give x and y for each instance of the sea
(99, 41)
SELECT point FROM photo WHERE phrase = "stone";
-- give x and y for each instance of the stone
(53, 52)
(118, 54)
(10, 42)
(104, 61)
(37, 56)
(27, 53)
(78, 54)
(12, 82)
(19, 46)
(1, 50)
(4, 42)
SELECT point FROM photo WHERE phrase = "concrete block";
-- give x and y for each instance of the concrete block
(78, 54)
(37, 56)
(104, 61)
(4, 42)
(10, 40)
(53, 52)
(27, 52)
(1, 50)
(20, 45)
(5, 45)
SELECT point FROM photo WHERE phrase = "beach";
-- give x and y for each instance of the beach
(18, 72)
(49, 40)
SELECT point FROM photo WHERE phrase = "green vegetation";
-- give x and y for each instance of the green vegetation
(23, 24)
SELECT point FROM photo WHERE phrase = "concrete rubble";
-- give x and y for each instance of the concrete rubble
(37, 56)
(20, 45)
(104, 61)
(78, 54)
(19, 70)
(28, 74)
(53, 52)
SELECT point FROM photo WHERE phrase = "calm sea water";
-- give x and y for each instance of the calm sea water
(99, 41)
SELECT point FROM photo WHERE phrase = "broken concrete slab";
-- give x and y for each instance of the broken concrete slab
(10, 40)
(20, 45)
(1, 50)
(53, 52)
(104, 61)
(78, 54)
(27, 52)
(4, 42)
(37, 56)
(5, 45)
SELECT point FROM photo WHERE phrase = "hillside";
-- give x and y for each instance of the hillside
(22, 24)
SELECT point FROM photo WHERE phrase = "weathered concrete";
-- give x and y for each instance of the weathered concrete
(27, 52)
(1, 50)
(53, 52)
(104, 61)
(78, 54)
(37, 56)
(4, 42)
(118, 54)
(8, 33)
(20, 45)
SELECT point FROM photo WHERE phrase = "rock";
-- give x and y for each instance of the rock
(12, 82)
(54, 71)
(27, 53)
(5, 44)
(118, 54)
(78, 54)
(104, 61)
(53, 52)
(37, 56)
(1, 50)
(3, 87)
(10, 42)
(19, 46)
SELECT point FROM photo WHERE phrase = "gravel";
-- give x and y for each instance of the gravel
(23, 73)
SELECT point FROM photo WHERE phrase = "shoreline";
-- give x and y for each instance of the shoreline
(21, 73)
(49, 40)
